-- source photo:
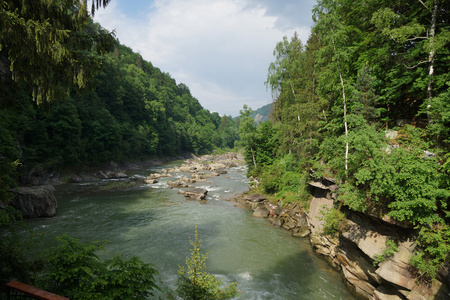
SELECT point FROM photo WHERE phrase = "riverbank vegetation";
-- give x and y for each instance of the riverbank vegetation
(366, 100)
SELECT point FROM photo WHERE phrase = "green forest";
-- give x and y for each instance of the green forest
(366, 100)
(73, 97)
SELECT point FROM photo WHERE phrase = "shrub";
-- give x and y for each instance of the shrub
(75, 271)
(334, 220)
(194, 283)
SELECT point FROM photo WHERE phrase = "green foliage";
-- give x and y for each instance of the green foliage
(7, 182)
(52, 45)
(391, 249)
(75, 271)
(334, 220)
(18, 262)
(391, 60)
(434, 243)
(135, 111)
(194, 283)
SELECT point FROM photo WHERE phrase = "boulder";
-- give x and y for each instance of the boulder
(187, 169)
(289, 224)
(261, 212)
(216, 166)
(177, 183)
(274, 221)
(320, 185)
(221, 171)
(196, 193)
(119, 175)
(274, 210)
(155, 176)
(255, 198)
(35, 202)
(301, 232)
(150, 181)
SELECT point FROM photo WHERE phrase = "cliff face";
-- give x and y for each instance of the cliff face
(361, 241)
(357, 247)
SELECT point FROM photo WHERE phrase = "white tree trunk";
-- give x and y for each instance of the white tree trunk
(345, 109)
(431, 56)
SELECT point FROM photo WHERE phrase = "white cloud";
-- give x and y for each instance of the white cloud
(221, 49)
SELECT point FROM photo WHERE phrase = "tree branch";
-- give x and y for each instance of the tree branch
(415, 66)
(424, 5)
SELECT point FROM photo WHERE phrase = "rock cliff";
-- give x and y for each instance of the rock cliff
(356, 250)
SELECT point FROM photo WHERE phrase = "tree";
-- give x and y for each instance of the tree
(327, 21)
(247, 132)
(195, 283)
(363, 98)
(51, 45)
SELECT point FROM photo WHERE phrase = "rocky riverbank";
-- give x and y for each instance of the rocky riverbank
(37, 200)
(356, 250)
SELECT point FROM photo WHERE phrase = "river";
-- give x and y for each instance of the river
(155, 223)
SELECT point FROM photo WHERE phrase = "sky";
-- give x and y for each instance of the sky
(221, 49)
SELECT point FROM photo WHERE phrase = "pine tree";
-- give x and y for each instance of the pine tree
(195, 283)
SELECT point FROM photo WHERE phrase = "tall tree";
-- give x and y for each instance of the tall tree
(247, 132)
(334, 36)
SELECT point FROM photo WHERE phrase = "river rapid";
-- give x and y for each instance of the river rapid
(155, 223)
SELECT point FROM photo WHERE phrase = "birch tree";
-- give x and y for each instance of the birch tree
(333, 38)
(421, 28)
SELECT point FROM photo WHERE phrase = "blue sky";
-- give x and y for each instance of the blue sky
(221, 49)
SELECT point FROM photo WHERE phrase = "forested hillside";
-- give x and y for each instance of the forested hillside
(125, 108)
(366, 100)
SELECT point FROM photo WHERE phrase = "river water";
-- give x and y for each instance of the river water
(155, 223)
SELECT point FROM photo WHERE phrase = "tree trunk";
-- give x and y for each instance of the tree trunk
(253, 157)
(431, 59)
(345, 109)
(311, 109)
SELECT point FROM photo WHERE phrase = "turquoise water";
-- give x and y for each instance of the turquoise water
(155, 223)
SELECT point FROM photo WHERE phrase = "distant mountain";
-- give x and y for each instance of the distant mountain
(262, 114)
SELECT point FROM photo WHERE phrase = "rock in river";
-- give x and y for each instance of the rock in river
(35, 202)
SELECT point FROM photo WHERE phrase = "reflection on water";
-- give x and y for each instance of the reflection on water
(155, 223)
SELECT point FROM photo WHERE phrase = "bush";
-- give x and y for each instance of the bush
(75, 271)
(334, 220)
